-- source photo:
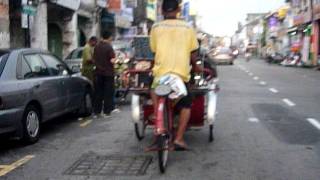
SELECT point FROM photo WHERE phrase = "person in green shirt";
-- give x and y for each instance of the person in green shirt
(87, 61)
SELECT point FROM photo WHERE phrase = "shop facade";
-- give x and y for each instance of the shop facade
(316, 32)
(301, 34)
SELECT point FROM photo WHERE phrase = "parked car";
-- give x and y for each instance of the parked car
(74, 59)
(35, 86)
(223, 55)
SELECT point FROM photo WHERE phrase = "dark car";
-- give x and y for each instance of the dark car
(35, 86)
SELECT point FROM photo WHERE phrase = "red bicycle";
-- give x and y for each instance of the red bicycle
(203, 109)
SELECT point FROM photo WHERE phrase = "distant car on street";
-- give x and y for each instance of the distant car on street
(223, 55)
(35, 86)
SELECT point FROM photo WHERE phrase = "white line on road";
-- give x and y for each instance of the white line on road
(86, 123)
(263, 83)
(273, 90)
(314, 122)
(289, 102)
(256, 78)
(253, 120)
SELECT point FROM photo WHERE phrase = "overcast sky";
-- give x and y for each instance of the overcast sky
(220, 17)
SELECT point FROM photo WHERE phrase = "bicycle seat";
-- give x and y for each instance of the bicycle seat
(163, 90)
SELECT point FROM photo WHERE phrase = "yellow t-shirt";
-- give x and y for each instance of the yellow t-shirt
(173, 41)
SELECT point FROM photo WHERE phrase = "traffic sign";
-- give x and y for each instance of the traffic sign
(29, 10)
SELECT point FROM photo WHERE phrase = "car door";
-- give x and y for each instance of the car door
(71, 85)
(44, 87)
(56, 70)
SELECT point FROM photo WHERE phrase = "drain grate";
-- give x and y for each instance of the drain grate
(92, 164)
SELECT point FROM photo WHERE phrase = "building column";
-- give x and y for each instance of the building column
(315, 43)
(70, 35)
(39, 29)
(4, 24)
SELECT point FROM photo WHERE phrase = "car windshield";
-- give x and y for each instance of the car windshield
(75, 54)
(3, 60)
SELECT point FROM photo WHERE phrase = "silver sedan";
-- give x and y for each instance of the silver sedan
(35, 86)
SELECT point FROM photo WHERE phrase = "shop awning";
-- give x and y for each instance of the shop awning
(70, 4)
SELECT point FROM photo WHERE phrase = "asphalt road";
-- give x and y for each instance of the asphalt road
(267, 129)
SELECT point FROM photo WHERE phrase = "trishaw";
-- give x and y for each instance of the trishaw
(203, 112)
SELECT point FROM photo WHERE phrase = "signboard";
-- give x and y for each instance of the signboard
(70, 4)
(24, 21)
(29, 10)
(316, 9)
(102, 3)
(122, 22)
(114, 5)
(131, 3)
(152, 10)
(127, 13)
(142, 48)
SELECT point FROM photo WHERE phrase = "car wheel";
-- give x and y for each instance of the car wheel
(31, 124)
(86, 104)
(231, 63)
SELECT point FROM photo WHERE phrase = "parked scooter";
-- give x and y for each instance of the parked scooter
(275, 58)
(293, 59)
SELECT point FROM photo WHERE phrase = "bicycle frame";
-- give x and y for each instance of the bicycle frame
(164, 104)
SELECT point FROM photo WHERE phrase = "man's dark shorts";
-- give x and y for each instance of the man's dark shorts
(185, 102)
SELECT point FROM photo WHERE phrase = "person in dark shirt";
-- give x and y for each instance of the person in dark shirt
(103, 57)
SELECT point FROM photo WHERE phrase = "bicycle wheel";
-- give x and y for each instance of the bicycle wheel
(163, 152)
(163, 144)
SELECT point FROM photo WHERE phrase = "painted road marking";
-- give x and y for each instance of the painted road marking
(289, 102)
(263, 83)
(250, 74)
(86, 123)
(256, 78)
(253, 120)
(5, 169)
(314, 122)
(273, 90)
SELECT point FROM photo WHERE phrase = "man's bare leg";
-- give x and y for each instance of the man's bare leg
(183, 123)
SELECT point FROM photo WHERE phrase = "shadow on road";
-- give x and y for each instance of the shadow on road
(47, 129)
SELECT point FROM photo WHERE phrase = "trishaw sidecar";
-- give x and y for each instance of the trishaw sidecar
(204, 93)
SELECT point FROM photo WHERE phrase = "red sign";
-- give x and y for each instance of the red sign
(114, 5)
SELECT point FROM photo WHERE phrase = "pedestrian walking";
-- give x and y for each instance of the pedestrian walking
(87, 69)
(104, 75)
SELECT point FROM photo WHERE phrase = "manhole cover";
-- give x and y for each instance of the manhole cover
(98, 165)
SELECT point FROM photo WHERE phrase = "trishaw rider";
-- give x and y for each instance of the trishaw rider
(174, 43)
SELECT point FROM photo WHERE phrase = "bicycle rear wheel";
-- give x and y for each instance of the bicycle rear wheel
(163, 143)
(163, 153)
